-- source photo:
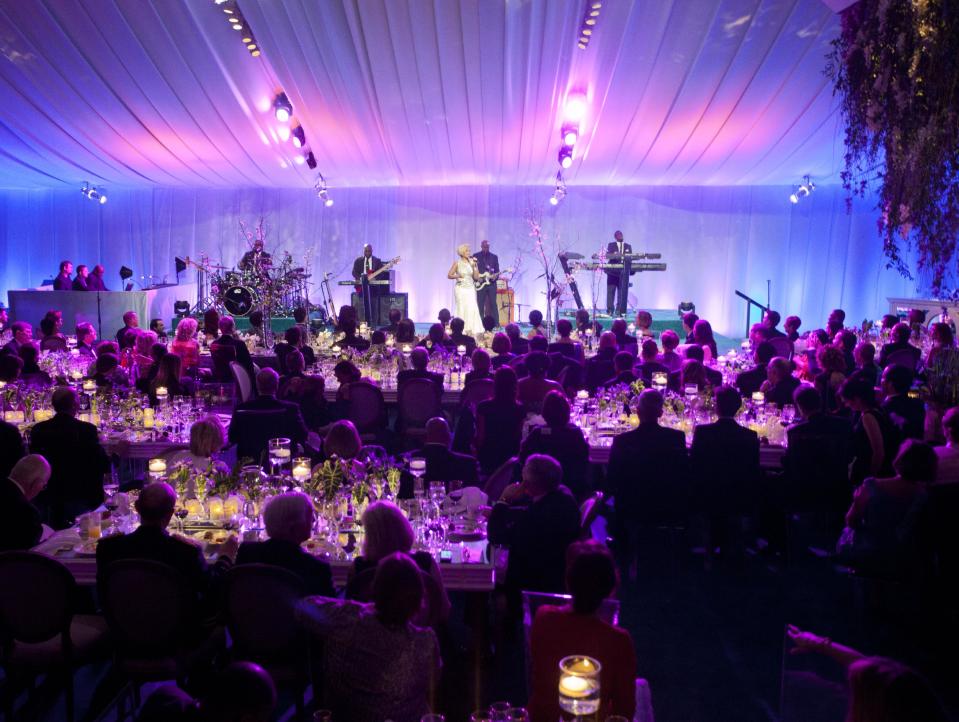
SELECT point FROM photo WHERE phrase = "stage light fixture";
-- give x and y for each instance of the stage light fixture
(590, 21)
(282, 108)
(311, 161)
(246, 39)
(299, 159)
(804, 189)
(570, 133)
(565, 156)
(255, 53)
(559, 191)
(587, 32)
(322, 192)
(582, 45)
(299, 136)
(575, 107)
(93, 193)
(181, 309)
(597, 5)
(125, 273)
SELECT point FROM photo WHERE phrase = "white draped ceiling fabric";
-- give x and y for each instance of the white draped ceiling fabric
(434, 122)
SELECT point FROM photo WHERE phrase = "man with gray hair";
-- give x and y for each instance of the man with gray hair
(289, 523)
(537, 519)
(288, 424)
(20, 526)
(227, 327)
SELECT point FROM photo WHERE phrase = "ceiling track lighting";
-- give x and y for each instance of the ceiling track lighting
(235, 17)
(93, 193)
(282, 108)
(803, 190)
(310, 160)
(559, 191)
(569, 133)
(322, 191)
(298, 136)
(590, 18)
(565, 156)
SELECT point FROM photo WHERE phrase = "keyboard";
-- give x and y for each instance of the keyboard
(618, 266)
(376, 282)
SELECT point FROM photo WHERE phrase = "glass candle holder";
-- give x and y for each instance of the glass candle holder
(579, 687)
(161, 394)
(301, 468)
(660, 379)
(279, 453)
(89, 385)
(759, 398)
(156, 469)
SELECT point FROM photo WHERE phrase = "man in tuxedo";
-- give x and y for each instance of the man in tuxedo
(537, 520)
(749, 381)
(152, 542)
(617, 279)
(623, 365)
(906, 413)
(20, 526)
(780, 384)
(95, 279)
(419, 360)
(227, 328)
(77, 461)
(22, 333)
(518, 344)
(649, 363)
(81, 282)
(724, 461)
(289, 522)
(395, 316)
(362, 267)
(648, 493)
(487, 262)
(290, 425)
(458, 338)
(130, 321)
(771, 321)
(600, 366)
(63, 282)
(900, 342)
(441, 463)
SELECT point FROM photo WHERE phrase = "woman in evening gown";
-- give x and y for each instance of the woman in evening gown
(464, 272)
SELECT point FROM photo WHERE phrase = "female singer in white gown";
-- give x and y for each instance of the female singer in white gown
(464, 272)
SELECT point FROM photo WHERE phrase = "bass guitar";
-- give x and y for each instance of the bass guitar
(373, 274)
(487, 278)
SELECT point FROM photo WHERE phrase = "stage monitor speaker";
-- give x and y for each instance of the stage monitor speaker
(504, 302)
(381, 307)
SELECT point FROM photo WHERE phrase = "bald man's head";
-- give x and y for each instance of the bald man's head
(155, 504)
(31, 474)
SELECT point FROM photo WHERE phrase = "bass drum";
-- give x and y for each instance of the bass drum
(238, 300)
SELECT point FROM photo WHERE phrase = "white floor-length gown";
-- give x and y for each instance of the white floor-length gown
(464, 293)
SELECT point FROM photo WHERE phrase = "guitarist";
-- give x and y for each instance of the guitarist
(487, 263)
(362, 268)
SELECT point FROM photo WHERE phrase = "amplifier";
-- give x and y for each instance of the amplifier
(504, 303)
(381, 307)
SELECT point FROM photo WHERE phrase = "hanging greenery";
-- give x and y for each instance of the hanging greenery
(895, 67)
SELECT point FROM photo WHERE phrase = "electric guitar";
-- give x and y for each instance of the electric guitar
(373, 274)
(487, 278)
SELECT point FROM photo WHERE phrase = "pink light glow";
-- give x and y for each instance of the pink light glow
(575, 107)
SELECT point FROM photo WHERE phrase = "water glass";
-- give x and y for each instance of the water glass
(418, 469)
(437, 492)
(499, 711)
(518, 714)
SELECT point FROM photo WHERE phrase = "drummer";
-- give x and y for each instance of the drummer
(256, 259)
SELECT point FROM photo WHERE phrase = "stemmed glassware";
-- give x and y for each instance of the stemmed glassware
(279, 454)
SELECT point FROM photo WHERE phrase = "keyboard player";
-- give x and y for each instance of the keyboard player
(617, 279)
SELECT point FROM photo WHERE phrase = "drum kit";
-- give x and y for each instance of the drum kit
(276, 290)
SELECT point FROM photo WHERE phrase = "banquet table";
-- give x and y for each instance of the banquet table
(770, 455)
(457, 575)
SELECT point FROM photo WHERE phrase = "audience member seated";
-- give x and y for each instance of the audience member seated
(518, 344)
(749, 382)
(817, 456)
(441, 463)
(130, 322)
(226, 338)
(908, 414)
(32, 375)
(865, 357)
(243, 692)
(86, 335)
(185, 344)
(151, 541)
(585, 326)
(900, 335)
(342, 441)
(771, 321)
(499, 422)
(288, 519)
(142, 358)
(290, 425)
(724, 464)
(20, 526)
(880, 525)
(419, 360)
(51, 339)
(207, 438)
(157, 326)
(845, 340)
(791, 326)
(293, 341)
(703, 336)
(689, 322)
(831, 376)
(305, 391)
(375, 664)
(576, 628)
(758, 333)
(562, 441)
(947, 471)
(943, 343)
(458, 338)
(387, 531)
(532, 389)
(480, 362)
(169, 376)
(406, 332)
(536, 324)
(12, 448)
(644, 325)
(875, 438)
(20, 333)
(77, 461)
(623, 366)
(444, 317)
(349, 338)
(536, 520)
(669, 358)
(502, 348)
(564, 344)
(780, 384)
(601, 366)
(436, 340)
(649, 363)
(644, 492)
(395, 316)
(11, 366)
(624, 342)
(836, 322)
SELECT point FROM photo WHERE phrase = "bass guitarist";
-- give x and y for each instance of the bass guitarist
(487, 264)
(363, 267)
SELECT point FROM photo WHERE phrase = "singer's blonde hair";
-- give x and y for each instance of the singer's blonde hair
(459, 249)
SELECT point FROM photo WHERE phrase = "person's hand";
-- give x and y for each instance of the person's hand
(805, 642)
(229, 547)
(512, 492)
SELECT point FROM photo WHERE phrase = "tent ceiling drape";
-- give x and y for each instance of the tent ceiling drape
(138, 93)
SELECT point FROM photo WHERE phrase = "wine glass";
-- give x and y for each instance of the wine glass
(456, 491)
(181, 513)
(418, 469)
